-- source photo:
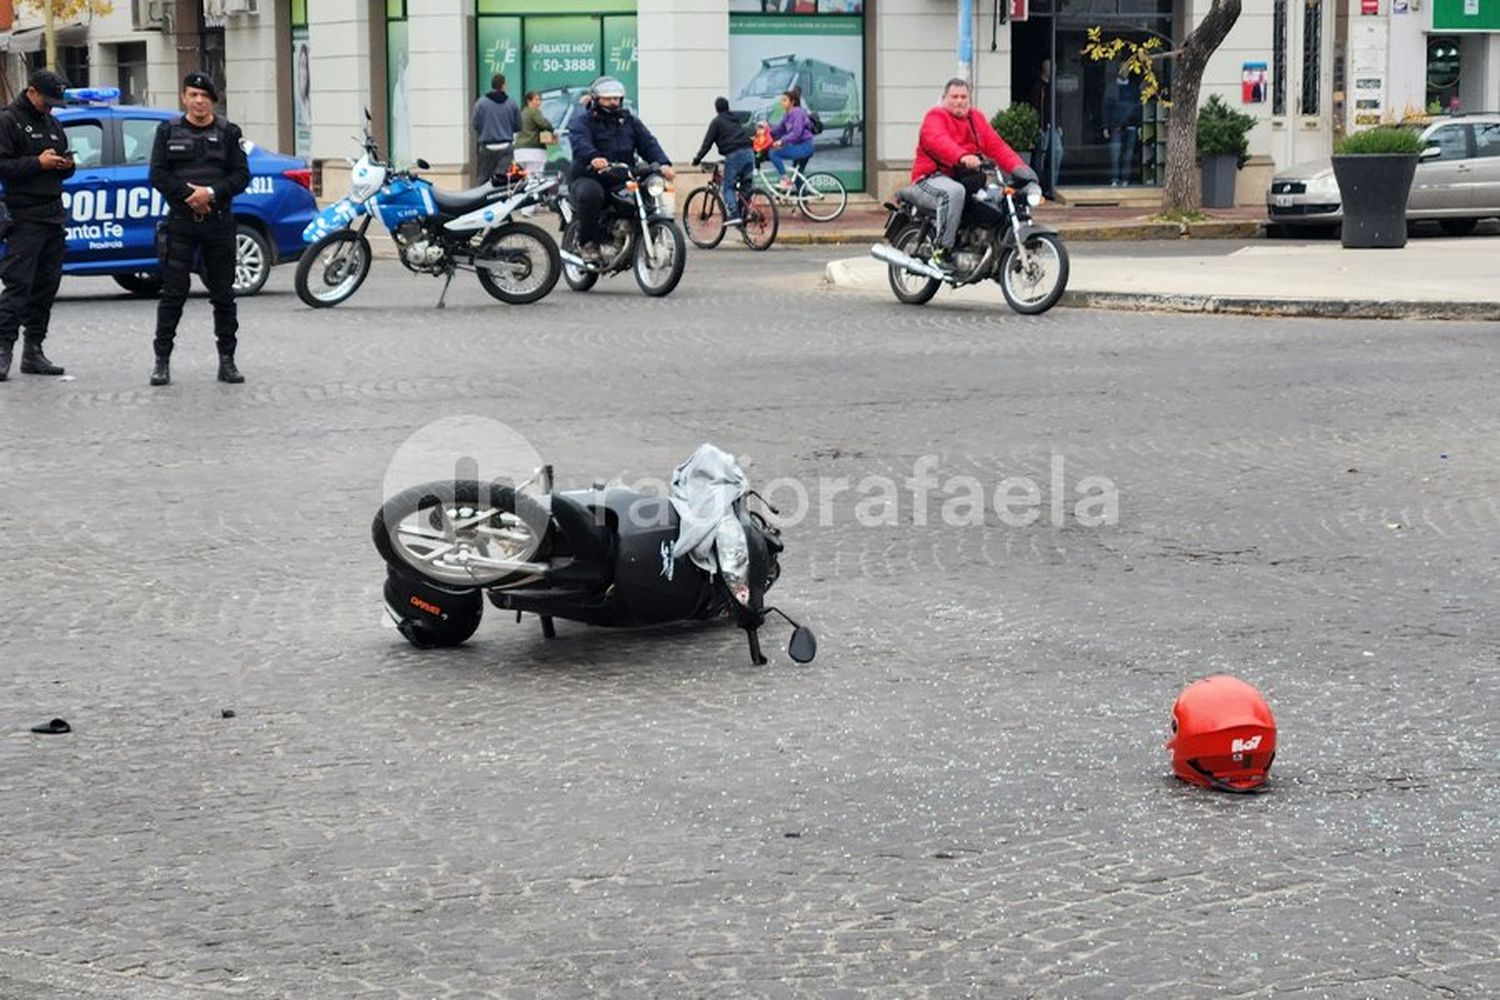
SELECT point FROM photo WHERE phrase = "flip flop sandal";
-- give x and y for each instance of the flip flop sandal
(55, 726)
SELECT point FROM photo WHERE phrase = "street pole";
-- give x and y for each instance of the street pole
(966, 40)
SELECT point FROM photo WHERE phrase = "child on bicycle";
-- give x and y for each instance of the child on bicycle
(729, 132)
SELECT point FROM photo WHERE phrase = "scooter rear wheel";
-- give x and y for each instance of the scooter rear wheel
(579, 279)
(530, 257)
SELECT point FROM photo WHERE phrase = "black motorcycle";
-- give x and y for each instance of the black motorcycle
(997, 239)
(640, 232)
(598, 556)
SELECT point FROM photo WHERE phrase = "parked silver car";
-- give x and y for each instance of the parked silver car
(1457, 180)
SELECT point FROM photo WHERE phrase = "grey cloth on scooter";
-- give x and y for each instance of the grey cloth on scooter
(704, 489)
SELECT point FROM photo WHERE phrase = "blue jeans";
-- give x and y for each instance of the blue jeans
(785, 154)
(1046, 158)
(737, 165)
(1122, 153)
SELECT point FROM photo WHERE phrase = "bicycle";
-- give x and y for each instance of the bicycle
(703, 213)
(819, 196)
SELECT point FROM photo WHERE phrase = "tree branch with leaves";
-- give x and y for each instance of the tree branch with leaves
(54, 10)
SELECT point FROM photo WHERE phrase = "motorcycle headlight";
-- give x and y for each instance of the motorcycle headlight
(1033, 195)
(656, 185)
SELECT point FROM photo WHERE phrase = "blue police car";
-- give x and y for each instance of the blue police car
(113, 210)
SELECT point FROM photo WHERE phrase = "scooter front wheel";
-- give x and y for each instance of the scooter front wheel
(525, 260)
(332, 269)
(461, 533)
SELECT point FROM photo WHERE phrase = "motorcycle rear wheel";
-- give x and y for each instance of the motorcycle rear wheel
(446, 532)
(521, 241)
(659, 278)
(332, 269)
(1035, 291)
(579, 279)
(913, 289)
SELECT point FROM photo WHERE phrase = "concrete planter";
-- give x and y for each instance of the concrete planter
(1373, 188)
(1218, 179)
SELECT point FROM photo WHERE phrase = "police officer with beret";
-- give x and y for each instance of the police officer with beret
(199, 166)
(34, 162)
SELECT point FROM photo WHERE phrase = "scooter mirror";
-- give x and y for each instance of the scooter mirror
(367, 115)
(804, 645)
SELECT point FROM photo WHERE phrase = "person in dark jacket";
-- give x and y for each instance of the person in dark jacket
(34, 162)
(732, 135)
(606, 134)
(496, 121)
(199, 165)
(1122, 125)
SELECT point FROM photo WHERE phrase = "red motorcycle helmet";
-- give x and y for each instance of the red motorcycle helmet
(1223, 735)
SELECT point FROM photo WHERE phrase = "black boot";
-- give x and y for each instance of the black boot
(162, 373)
(227, 371)
(34, 362)
(5, 362)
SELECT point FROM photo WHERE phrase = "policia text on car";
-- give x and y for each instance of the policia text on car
(34, 162)
(199, 165)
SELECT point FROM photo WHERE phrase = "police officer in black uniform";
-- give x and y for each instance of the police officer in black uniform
(34, 162)
(199, 166)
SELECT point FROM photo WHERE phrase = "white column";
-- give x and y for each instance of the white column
(250, 56)
(684, 65)
(441, 37)
(338, 35)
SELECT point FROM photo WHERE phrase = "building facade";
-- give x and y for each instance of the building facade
(299, 75)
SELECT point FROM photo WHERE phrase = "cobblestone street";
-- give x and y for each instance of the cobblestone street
(964, 795)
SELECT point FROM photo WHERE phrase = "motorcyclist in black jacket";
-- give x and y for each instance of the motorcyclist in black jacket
(605, 134)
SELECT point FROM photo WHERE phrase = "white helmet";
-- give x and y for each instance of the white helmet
(607, 86)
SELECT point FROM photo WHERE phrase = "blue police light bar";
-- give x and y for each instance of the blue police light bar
(92, 95)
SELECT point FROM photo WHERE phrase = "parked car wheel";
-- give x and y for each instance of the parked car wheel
(252, 264)
(1458, 227)
(146, 284)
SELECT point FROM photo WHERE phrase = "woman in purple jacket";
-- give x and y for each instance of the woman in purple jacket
(793, 135)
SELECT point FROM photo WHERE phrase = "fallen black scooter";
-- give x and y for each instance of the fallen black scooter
(598, 556)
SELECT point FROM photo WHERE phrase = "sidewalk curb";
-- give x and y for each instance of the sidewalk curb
(841, 274)
(1080, 232)
(1250, 306)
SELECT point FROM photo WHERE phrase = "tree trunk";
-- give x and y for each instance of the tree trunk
(1183, 191)
(50, 35)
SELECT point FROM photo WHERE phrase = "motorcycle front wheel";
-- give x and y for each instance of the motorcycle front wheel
(460, 533)
(332, 269)
(528, 263)
(578, 278)
(913, 289)
(1032, 287)
(660, 257)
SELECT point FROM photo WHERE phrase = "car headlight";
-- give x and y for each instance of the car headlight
(655, 185)
(1033, 195)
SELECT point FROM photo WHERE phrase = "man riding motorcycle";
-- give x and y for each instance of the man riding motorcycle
(606, 134)
(946, 170)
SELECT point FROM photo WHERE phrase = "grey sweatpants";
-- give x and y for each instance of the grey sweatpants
(946, 196)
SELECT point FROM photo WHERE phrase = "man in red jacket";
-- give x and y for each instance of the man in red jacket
(946, 168)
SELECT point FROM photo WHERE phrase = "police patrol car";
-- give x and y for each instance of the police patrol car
(113, 210)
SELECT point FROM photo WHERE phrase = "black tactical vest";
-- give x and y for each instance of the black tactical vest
(199, 155)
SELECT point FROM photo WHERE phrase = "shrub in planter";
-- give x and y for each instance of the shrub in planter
(1019, 125)
(1223, 147)
(1374, 170)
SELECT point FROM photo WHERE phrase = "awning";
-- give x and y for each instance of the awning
(33, 39)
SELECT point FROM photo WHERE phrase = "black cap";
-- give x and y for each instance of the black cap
(201, 81)
(50, 86)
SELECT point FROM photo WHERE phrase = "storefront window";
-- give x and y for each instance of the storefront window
(1107, 136)
(816, 48)
(556, 48)
(1442, 74)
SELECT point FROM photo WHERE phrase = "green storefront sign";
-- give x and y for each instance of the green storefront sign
(499, 46)
(561, 51)
(1470, 15)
